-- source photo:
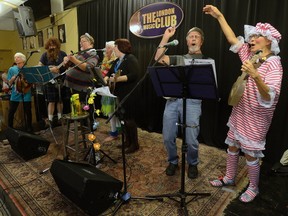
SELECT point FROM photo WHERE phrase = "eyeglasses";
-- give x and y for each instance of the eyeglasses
(256, 36)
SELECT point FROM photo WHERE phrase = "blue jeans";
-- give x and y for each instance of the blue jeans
(172, 114)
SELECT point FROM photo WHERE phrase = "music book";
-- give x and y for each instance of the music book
(203, 62)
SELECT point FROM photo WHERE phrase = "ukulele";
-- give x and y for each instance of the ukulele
(112, 85)
(65, 65)
(56, 81)
(238, 87)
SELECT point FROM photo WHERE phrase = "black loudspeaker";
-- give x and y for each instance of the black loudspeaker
(88, 187)
(25, 22)
(26, 145)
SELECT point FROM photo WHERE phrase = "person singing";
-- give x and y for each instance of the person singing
(123, 76)
(174, 106)
(108, 103)
(22, 94)
(80, 76)
(53, 58)
(251, 117)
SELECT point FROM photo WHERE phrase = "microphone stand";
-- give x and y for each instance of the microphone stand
(59, 75)
(139, 82)
(53, 81)
(182, 195)
(125, 196)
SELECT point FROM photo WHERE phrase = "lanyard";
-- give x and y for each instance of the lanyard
(118, 65)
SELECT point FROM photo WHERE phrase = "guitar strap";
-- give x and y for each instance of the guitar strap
(258, 64)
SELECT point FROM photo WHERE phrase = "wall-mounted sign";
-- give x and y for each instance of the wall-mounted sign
(151, 20)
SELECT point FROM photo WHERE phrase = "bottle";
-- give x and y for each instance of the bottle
(97, 159)
(72, 107)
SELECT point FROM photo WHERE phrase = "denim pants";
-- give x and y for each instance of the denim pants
(173, 113)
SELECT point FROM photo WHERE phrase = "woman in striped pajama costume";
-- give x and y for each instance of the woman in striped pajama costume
(251, 117)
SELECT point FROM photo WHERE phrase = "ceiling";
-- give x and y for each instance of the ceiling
(40, 11)
(6, 13)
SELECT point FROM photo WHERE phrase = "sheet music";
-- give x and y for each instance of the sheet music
(104, 91)
(203, 62)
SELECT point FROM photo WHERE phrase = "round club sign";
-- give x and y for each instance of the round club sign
(152, 20)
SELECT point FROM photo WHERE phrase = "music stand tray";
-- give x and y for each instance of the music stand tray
(192, 81)
(37, 74)
(40, 75)
(198, 79)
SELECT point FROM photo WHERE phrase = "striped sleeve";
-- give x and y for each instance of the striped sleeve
(273, 77)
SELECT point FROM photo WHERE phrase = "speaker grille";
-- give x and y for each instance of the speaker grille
(27, 145)
(88, 187)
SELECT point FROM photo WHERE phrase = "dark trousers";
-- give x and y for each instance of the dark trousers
(27, 112)
(131, 135)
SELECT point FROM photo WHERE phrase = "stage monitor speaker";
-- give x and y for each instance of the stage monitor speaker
(25, 21)
(26, 145)
(88, 187)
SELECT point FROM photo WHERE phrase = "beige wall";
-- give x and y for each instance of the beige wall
(11, 42)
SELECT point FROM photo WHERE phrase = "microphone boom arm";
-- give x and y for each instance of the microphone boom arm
(54, 78)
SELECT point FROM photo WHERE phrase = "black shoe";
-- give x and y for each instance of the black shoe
(56, 123)
(192, 171)
(48, 124)
(131, 149)
(30, 130)
(171, 169)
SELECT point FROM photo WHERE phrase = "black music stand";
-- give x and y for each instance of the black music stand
(39, 75)
(193, 81)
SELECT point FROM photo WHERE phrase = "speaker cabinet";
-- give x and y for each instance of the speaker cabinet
(88, 187)
(26, 145)
(25, 22)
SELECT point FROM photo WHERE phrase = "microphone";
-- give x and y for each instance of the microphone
(172, 43)
(101, 50)
(34, 51)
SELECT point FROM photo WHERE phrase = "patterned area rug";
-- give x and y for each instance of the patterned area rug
(37, 194)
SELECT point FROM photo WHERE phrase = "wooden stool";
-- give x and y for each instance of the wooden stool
(74, 146)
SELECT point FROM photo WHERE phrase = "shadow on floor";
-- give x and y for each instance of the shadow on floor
(272, 200)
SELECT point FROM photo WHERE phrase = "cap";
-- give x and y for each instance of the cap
(89, 37)
(266, 30)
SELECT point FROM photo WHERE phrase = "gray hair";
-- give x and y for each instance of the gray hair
(20, 55)
(200, 31)
(110, 43)
(88, 37)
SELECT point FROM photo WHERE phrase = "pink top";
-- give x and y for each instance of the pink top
(251, 118)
